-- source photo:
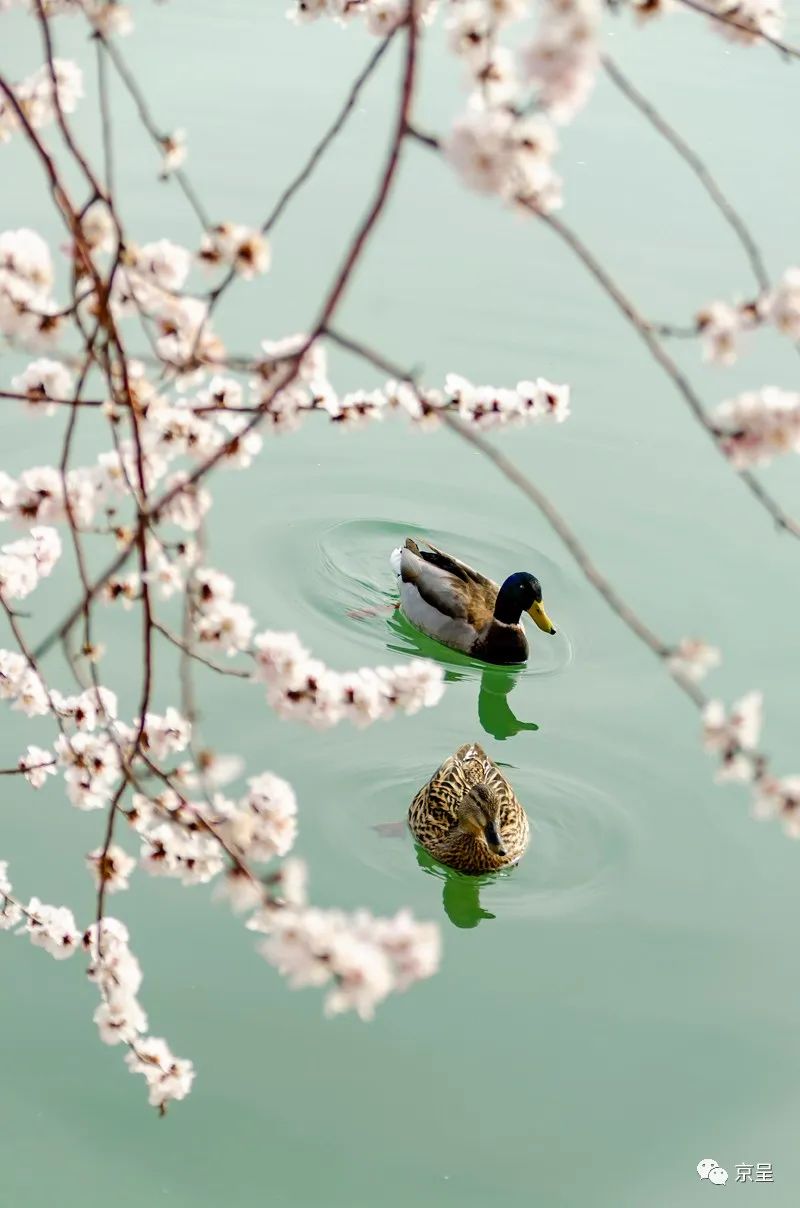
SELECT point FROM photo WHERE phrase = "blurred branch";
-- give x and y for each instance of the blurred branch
(690, 157)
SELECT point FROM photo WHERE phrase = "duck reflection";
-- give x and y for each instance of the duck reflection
(461, 895)
(494, 712)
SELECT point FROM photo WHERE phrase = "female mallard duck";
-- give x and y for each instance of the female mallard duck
(467, 815)
(455, 604)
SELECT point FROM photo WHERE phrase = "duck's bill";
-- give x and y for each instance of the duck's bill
(493, 839)
(541, 618)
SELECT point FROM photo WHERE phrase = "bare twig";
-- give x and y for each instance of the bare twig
(690, 157)
(781, 518)
(128, 79)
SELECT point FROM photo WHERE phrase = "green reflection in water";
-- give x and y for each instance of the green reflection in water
(461, 895)
(494, 712)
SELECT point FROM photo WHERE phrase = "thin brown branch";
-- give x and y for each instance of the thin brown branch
(182, 645)
(788, 51)
(105, 115)
(560, 526)
(46, 401)
(148, 121)
(690, 157)
(308, 168)
(75, 150)
(332, 299)
(330, 134)
(360, 349)
(30, 767)
(644, 329)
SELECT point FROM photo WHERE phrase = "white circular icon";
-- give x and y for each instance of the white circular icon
(717, 1175)
(705, 1167)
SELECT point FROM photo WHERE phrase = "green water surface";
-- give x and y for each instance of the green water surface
(626, 1002)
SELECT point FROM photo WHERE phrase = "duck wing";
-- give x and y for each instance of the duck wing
(454, 566)
(448, 585)
(438, 586)
(433, 814)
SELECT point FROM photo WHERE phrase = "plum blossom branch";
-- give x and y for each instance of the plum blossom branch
(170, 145)
(147, 493)
(743, 26)
(695, 163)
(782, 519)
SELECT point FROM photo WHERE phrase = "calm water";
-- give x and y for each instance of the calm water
(625, 1003)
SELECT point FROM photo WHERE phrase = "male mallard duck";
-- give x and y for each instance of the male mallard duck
(467, 815)
(450, 601)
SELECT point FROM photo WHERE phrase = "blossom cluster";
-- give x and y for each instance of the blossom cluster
(757, 426)
(28, 312)
(380, 17)
(494, 146)
(305, 689)
(108, 16)
(722, 324)
(563, 59)
(121, 1019)
(745, 22)
(362, 959)
(692, 659)
(40, 95)
(748, 20)
(115, 970)
(734, 737)
(496, 150)
(24, 563)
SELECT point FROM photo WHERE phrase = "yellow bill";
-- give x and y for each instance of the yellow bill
(541, 618)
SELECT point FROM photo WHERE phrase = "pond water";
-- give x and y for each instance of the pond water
(623, 1004)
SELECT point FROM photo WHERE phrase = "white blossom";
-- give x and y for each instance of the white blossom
(52, 928)
(236, 246)
(21, 684)
(269, 821)
(781, 305)
(111, 868)
(43, 379)
(362, 959)
(758, 425)
(163, 263)
(175, 152)
(693, 659)
(166, 735)
(497, 151)
(563, 59)
(734, 737)
(36, 765)
(779, 798)
(748, 19)
(168, 1077)
(303, 688)
(721, 326)
(10, 911)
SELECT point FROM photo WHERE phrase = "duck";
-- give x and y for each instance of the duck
(460, 607)
(468, 817)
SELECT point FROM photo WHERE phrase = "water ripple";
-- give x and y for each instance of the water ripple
(580, 837)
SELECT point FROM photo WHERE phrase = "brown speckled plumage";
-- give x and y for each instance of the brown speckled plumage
(442, 816)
